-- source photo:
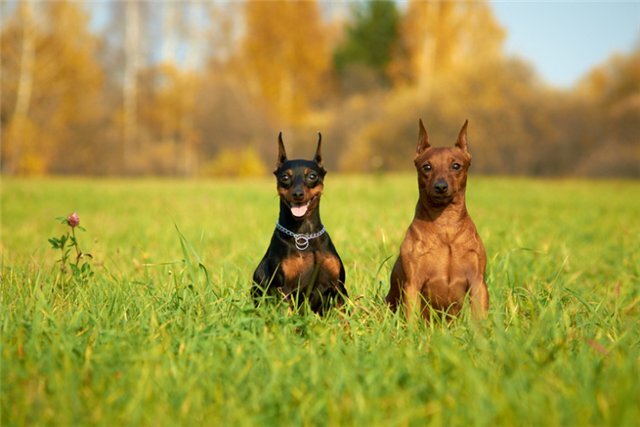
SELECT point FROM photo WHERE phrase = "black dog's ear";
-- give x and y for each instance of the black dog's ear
(423, 139)
(461, 143)
(318, 156)
(282, 154)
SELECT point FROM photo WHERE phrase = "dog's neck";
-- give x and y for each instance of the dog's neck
(306, 225)
(449, 214)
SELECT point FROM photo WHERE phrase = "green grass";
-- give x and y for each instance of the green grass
(152, 340)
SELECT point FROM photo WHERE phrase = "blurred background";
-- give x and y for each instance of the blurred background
(196, 88)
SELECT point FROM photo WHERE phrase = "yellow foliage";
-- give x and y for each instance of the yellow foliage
(235, 163)
(60, 83)
(24, 146)
(169, 102)
(274, 71)
(441, 38)
(285, 55)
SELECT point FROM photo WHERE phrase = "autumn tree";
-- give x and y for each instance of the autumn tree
(167, 94)
(284, 56)
(167, 105)
(439, 38)
(19, 151)
(613, 88)
(52, 83)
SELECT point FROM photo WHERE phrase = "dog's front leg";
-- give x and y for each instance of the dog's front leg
(479, 298)
(411, 300)
(410, 283)
(260, 281)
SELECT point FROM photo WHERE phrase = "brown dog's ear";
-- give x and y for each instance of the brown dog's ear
(461, 143)
(423, 139)
(282, 154)
(318, 156)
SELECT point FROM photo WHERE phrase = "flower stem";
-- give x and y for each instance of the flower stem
(75, 245)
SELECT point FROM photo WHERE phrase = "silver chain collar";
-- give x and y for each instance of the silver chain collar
(301, 240)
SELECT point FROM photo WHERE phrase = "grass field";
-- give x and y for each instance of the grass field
(151, 339)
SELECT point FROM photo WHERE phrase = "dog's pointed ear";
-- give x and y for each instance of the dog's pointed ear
(318, 156)
(282, 154)
(461, 143)
(423, 139)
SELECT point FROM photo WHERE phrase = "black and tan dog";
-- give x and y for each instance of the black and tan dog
(301, 263)
(442, 258)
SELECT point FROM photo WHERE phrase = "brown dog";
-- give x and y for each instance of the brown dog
(442, 257)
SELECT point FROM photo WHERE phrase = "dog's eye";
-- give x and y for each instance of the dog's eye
(456, 166)
(426, 167)
(285, 178)
(312, 176)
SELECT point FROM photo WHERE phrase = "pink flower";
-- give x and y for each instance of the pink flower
(73, 220)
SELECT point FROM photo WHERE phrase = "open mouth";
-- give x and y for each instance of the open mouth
(299, 210)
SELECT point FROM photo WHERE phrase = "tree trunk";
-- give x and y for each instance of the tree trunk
(25, 86)
(130, 85)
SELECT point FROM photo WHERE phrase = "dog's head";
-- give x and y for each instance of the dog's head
(300, 182)
(442, 171)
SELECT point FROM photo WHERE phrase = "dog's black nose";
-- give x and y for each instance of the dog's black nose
(298, 195)
(441, 186)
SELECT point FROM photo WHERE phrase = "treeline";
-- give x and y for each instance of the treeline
(202, 88)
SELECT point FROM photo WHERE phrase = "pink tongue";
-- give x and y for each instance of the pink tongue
(299, 211)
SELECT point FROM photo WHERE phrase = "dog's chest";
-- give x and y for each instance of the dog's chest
(303, 267)
(443, 259)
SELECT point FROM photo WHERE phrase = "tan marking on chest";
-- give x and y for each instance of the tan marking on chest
(330, 263)
(296, 265)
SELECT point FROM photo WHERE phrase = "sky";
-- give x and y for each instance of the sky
(564, 40)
